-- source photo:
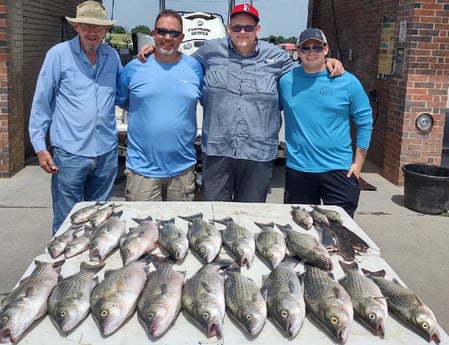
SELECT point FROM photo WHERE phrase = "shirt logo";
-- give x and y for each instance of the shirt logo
(245, 8)
(325, 91)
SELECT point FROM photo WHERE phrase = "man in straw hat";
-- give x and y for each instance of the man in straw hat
(75, 99)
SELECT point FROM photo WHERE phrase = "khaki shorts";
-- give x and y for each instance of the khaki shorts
(177, 188)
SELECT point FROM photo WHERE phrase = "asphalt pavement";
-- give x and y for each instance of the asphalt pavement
(413, 244)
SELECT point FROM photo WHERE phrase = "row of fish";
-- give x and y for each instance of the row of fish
(203, 238)
(159, 295)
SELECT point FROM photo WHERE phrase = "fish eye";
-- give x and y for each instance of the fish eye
(151, 315)
(284, 314)
(372, 316)
(249, 317)
(63, 313)
(205, 315)
(334, 320)
(175, 247)
(5, 319)
(425, 325)
(104, 313)
(240, 251)
(202, 249)
(270, 256)
(126, 251)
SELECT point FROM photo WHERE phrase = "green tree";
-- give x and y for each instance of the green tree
(117, 29)
(142, 28)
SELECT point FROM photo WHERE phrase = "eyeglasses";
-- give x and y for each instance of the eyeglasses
(246, 28)
(315, 49)
(91, 27)
(171, 33)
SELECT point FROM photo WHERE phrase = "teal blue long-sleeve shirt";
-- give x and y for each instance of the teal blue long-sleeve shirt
(318, 111)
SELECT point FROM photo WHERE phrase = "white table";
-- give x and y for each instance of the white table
(183, 331)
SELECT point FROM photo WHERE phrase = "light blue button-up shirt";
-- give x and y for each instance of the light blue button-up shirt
(76, 100)
(240, 100)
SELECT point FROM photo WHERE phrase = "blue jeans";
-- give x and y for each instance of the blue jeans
(80, 179)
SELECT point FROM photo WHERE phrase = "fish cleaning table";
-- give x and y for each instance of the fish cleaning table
(183, 331)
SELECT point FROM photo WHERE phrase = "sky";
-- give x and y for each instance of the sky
(277, 17)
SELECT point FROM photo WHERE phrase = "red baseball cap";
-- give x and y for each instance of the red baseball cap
(248, 9)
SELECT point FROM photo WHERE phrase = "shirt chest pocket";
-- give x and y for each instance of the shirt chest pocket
(75, 83)
(217, 77)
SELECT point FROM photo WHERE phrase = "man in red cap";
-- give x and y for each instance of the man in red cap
(241, 123)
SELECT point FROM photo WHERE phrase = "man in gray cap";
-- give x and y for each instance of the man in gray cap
(75, 100)
(321, 165)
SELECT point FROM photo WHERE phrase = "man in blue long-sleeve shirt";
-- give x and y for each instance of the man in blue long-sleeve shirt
(75, 100)
(321, 166)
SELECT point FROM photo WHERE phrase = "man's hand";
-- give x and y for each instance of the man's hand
(356, 167)
(147, 49)
(335, 67)
(46, 162)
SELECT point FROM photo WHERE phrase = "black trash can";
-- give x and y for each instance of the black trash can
(426, 188)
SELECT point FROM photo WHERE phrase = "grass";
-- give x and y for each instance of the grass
(119, 40)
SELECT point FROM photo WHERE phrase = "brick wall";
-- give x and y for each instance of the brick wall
(423, 85)
(4, 56)
(28, 28)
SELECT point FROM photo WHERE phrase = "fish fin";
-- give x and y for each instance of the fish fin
(164, 289)
(265, 226)
(160, 261)
(225, 220)
(285, 227)
(207, 287)
(192, 217)
(380, 274)
(117, 214)
(86, 267)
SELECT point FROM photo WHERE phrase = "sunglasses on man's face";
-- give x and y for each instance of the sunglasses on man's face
(171, 33)
(315, 49)
(246, 28)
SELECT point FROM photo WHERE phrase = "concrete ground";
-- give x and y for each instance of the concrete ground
(413, 244)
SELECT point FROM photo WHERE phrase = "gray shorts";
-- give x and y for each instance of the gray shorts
(176, 188)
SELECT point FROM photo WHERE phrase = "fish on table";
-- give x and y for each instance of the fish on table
(140, 240)
(114, 299)
(370, 305)
(83, 214)
(203, 299)
(58, 244)
(307, 247)
(270, 244)
(103, 214)
(328, 303)
(79, 244)
(322, 225)
(160, 301)
(69, 302)
(245, 303)
(106, 238)
(302, 217)
(284, 295)
(407, 306)
(332, 215)
(28, 301)
(172, 239)
(204, 238)
(239, 241)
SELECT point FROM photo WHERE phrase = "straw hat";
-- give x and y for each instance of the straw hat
(91, 12)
